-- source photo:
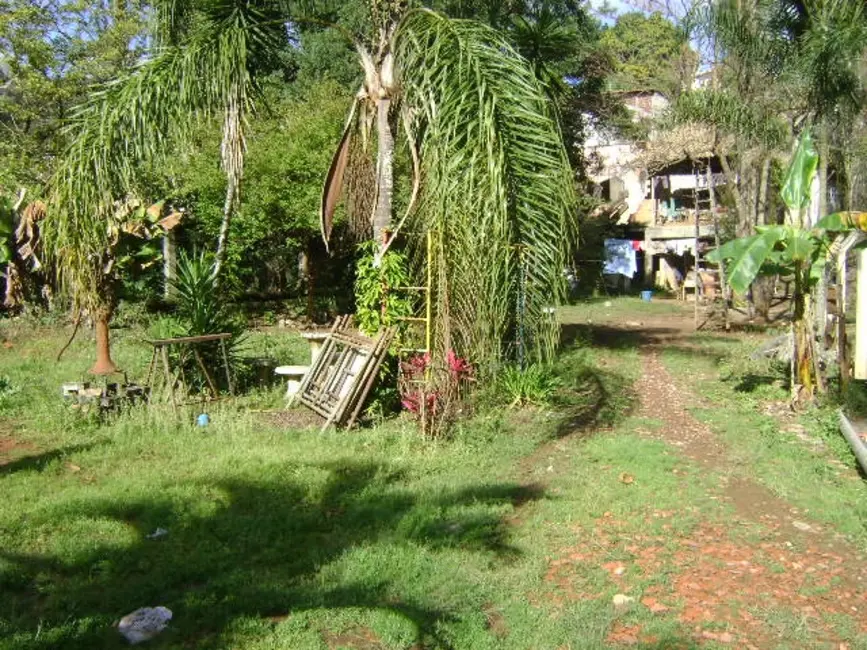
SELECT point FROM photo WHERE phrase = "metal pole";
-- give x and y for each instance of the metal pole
(429, 292)
(855, 442)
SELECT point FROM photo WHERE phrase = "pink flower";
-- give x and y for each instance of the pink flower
(456, 365)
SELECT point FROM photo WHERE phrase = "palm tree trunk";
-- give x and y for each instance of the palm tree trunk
(232, 154)
(384, 170)
(222, 240)
(104, 364)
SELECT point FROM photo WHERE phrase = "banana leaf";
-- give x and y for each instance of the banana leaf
(747, 256)
(800, 245)
(799, 177)
(839, 221)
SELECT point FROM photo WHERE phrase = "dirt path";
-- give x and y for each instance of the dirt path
(725, 579)
(767, 577)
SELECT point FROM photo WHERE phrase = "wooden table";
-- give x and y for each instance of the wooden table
(161, 355)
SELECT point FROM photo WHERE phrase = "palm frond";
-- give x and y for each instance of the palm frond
(498, 190)
(135, 120)
(731, 115)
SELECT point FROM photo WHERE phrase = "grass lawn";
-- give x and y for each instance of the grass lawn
(517, 532)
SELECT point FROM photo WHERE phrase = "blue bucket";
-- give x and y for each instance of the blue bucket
(646, 296)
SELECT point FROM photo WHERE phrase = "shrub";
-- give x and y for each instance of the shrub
(533, 385)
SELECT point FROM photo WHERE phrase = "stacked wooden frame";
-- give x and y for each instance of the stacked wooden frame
(341, 377)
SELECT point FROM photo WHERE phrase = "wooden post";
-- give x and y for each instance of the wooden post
(861, 318)
(842, 347)
(695, 249)
(716, 241)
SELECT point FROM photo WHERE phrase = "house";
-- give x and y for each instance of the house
(659, 191)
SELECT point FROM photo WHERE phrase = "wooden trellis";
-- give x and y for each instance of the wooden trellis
(339, 381)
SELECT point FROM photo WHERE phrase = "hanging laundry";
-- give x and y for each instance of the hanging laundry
(620, 258)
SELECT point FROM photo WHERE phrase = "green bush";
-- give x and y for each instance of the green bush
(534, 385)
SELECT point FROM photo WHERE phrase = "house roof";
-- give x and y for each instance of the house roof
(687, 141)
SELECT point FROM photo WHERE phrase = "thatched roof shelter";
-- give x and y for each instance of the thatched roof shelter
(687, 141)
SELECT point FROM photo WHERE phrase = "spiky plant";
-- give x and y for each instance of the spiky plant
(491, 177)
(497, 186)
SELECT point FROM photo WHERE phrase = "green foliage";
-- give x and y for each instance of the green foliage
(51, 53)
(498, 190)
(746, 256)
(7, 390)
(752, 122)
(288, 153)
(167, 327)
(534, 385)
(7, 230)
(775, 249)
(650, 53)
(802, 170)
(379, 301)
(202, 306)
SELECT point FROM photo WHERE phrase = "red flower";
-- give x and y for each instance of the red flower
(456, 365)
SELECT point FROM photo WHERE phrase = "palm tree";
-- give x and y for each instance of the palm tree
(206, 59)
(802, 57)
(497, 186)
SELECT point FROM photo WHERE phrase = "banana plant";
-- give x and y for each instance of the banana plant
(789, 250)
(19, 240)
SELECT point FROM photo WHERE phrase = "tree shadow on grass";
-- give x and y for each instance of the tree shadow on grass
(38, 462)
(750, 382)
(591, 396)
(622, 338)
(247, 549)
(594, 399)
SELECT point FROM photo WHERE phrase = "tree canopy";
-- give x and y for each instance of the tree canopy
(650, 53)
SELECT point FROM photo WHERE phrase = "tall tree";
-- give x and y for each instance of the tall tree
(498, 187)
(650, 53)
(50, 54)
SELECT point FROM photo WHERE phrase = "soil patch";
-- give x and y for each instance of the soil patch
(294, 418)
(769, 575)
(357, 639)
(12, 449)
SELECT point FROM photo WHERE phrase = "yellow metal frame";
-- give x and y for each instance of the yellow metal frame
(428, 293)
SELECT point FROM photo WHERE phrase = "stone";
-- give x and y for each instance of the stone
(144, 624)
(622, 600)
